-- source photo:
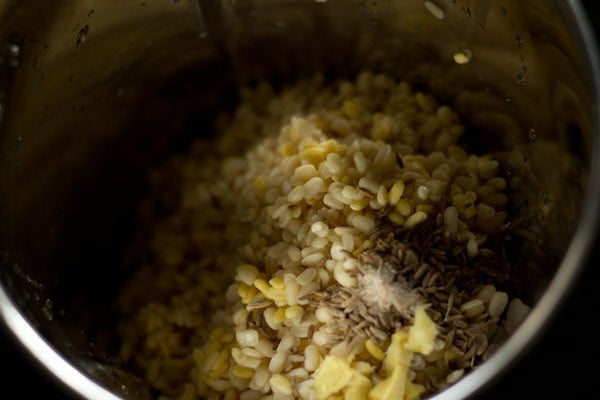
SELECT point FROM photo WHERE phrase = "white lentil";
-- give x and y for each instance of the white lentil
(348, 242)
(244, 360)
(360, 162)
(451, 219)
(265, 347)
(319, 243)
(343, 278)
(323, 315)
(415, 219)
(313, 187)
(363, 223)
(485, 211)
(350, 264)
(472, 248)
(472, 308)
(337, 252)
(332, 202)
(268, 316)
(320, 229)
(369, 184)
(423, 192)
(302, 330)
(486, 293)
(334, 163)
(278, 361)
(250, 352)
(305, 290)
(382, 196)
(312, 260)
(247, 274)
(303, 173)
(292, 288)
(497, 304)
(396, 192)
(260, 378)
(306, 276)
(247, 338)
(305, 390)
(455, 375)
(320, 338)
(250, 395)
(296, 195)
(298, 374)
(286, 343)
(294, 254)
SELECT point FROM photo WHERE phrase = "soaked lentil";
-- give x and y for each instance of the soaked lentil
(315, 226)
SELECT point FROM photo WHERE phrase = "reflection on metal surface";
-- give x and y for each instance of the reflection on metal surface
(462, 57)
(9, 55)
(438, 8)
(63, 369)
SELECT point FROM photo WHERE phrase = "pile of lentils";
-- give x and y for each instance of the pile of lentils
(313, 227)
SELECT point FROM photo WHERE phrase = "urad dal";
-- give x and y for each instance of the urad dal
(333, 240)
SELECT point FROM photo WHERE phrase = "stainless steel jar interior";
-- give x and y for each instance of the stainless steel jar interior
(93, 94)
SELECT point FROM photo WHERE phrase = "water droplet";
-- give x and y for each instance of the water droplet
(521, 81)
(82, 35)
(203, 35)
(10, 54)
(279, 24)
(435, 9)
(14, 50)
(48, 313)
(519, 41)
(462, 56)
(532, 135)
(467, 11)
(507, 98)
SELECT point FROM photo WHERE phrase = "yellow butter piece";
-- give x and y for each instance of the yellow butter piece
(391, 388)
(332, 376)
(358, 388)
(413, 390)
(374, 350)
(422, 334)
(363, 367)
(396, 354)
